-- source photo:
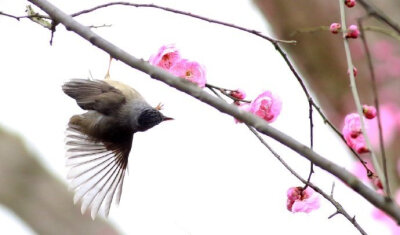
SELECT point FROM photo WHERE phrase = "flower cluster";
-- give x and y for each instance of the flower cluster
(352, 31)
(302, 200)
(169, 59)
(267, 105)
(352, 133)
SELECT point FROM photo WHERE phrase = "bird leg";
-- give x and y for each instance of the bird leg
(107, 77)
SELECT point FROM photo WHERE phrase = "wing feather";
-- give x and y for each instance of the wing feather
(96, 170)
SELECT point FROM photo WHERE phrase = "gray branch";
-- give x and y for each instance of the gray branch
(259, 124)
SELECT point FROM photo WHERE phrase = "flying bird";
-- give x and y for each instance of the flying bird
(99, 141)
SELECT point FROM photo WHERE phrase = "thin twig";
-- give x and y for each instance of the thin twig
(25, 16)
(225, 91)
(213, 91)
(252, 31)
(332, 189)
(100, 26)
(336, 204)
(356, 97)
(310, 30)
(376, 103)
(377, 29)
(378, 14)
(336, 213)
(310, 116)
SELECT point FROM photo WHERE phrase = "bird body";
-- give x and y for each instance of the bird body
(99, 141)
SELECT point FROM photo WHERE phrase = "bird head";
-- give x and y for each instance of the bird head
(150, 118)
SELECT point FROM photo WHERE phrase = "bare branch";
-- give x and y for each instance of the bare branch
(252, 31)
(339, 207)
(376, 103)
(378, 14)
(356, 97)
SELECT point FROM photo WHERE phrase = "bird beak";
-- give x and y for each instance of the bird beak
(167, 118)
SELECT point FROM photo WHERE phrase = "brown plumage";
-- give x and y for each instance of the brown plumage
(99, 141)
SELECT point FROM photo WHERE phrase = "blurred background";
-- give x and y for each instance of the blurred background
(202, 173)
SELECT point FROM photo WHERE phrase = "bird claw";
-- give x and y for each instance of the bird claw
(159, 106)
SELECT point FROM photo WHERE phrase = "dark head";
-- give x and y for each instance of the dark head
(149, 118)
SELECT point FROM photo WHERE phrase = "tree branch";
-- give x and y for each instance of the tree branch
(339, 207)
(378, 14)
(191, 89)
(252, 31)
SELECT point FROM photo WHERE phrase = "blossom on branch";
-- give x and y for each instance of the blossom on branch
(166, 57)
(352, 31)
(335, 27)
(369, 111)
(350, 3)
(300, 200)
(267, 106)
(190, 70)
(169, 59)
(352, 133)
(238, 94)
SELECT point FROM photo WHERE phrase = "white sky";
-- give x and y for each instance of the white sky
(202, 173)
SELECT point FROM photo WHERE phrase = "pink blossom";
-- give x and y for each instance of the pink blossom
(243, 106)
(166, 57)
(189, 70)
(238, 94)
(383, 217)
(300, 200)
(335, 27)
(389, 121)
(267, 106)
(352, 133)
(369, 111)
(350, 3)
(352, 31)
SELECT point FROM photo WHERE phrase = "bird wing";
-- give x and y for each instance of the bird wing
(97, 170)
(95, 95)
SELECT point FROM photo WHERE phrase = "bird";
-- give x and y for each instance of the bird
(98, 142)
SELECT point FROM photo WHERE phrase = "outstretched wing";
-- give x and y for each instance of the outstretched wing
(97, 170)
(94, 95)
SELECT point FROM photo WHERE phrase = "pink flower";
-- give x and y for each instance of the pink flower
(350, 3)
(238, 94)
(267, 106)
(389, 123)
(353, 32)
(352, 133)
(335, 27)
(300, 200)
(383, 217)
(166, 57)
(243, 106)
(189, 70)
(369, 111)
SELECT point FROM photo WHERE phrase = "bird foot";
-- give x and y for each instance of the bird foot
(159, 106)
